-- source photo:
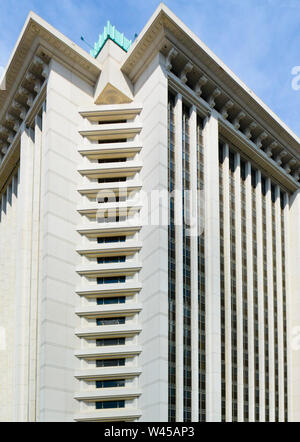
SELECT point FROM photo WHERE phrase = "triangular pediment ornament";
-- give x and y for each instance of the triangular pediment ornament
(111, 95)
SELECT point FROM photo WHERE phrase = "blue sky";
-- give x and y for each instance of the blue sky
(258, 39)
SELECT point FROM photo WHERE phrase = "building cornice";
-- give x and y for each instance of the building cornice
(202, 71)
(35, 27)
(27, 72)
(230, 133)
(13, 151)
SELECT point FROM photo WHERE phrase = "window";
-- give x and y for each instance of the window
(110, 259)
(263, 185)
(110, 363)
(111, 321)
(112, 160)
(120, 140)
(111, 239)
(231, 161)
(108, 301)
(111, 280)
(243, 170)
(112, 122)
(253, 177)
(112, 199)
(110, 404)
(111, 219)
(273, 193)
(110, 341)
(112, 180)
(112, 383)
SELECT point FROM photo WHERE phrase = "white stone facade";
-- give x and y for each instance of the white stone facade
(107, 317)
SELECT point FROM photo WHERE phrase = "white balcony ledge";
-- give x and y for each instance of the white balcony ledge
(125, 188)
(111, 112)
(96, 290)
(107, 394)
(94, 209)
(115, 415)
(127, 248)
(109, 331)
(110, 170)
(112, 131)
(124, 228)
(108, 373)
(112, 269)
(92, 353)
(110, 150)
(100, 311)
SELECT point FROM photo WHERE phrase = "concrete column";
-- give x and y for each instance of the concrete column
(212, 269)
(33, 329)
(179, 259)
(194, 266)
(270, 300)
(41, 229)
(23, 280)
(294, 281)
(250, 293)
(279, 240)
(227, 284)
(289, 307)
(239, 287)
(154, 254)
(260, 286)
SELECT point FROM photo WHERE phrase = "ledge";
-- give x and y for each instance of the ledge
(110, 131)
(94, 249)
(126, 372)
(105, 352)
(101, 311)
(108, 331)
(107, 393)
(106, 229)
(106, 290)
(111, 112)
(110, 170)
(110, 269)
(119, 414)
(110, 150)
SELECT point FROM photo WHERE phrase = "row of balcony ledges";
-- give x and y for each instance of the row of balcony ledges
(110, 265)
(105, 332)
(108, 374)
(112, 164)
(108, 396)
(108, 123)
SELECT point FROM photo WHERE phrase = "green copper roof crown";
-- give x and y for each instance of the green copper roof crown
(110, 32)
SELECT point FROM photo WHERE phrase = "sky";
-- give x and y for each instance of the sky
(258, 40)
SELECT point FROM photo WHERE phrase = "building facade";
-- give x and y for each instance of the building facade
(148, 233)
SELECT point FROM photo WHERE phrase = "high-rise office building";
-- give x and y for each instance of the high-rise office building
(149, 234)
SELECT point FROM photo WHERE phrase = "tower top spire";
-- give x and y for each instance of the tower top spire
(110, 32)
